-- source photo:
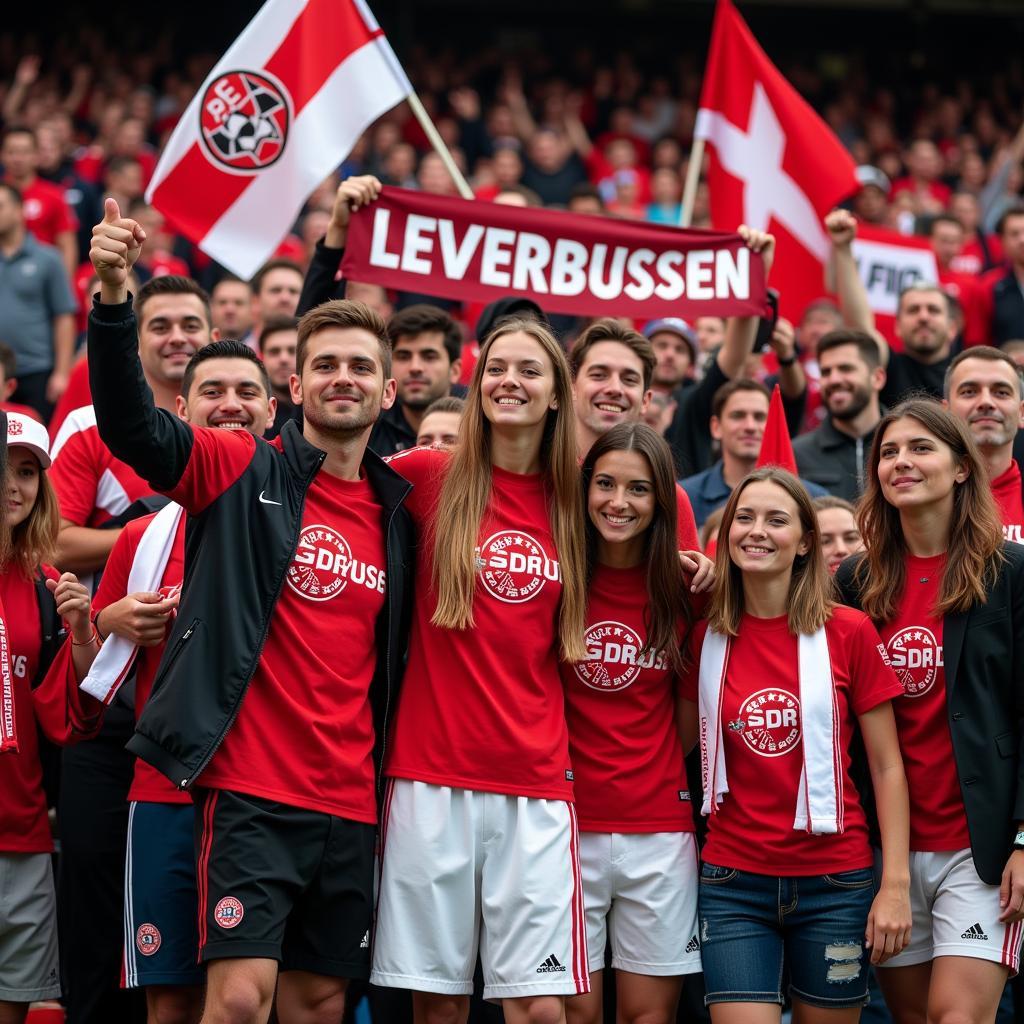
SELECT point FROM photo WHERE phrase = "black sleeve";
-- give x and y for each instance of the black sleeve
(319, 285)
(156, 444)
(1015, 568)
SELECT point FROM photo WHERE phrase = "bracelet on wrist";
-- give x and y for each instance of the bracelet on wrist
(94, 638)
(787, 361)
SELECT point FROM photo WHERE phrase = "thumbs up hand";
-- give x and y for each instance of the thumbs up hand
(116, 244)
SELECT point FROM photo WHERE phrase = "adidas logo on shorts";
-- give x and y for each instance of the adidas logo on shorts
(975, 932)
(365, 944)
(693, 945)
(550, 966)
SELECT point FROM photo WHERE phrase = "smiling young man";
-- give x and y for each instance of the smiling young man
(426, 348)
(834, 454)
(226, 387)
(984, 388)
(309, 537)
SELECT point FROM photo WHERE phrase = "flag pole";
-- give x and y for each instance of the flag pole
(692, 181)
(439, 147)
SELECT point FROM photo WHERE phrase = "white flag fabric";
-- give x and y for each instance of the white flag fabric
(280, 111)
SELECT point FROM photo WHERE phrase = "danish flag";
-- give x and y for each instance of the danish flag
(279, 112)
(775, 165)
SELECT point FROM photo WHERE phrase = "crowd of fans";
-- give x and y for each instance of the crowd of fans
(608, 139)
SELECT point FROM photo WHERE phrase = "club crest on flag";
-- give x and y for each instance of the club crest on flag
(244, 118)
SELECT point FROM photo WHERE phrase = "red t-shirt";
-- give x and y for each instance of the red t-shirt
(304, 734)
(914, 642)
(92, 486)
(483, 708)
(147, 783)
(47, 213)
(752, 829)
(620, 706)
(935, 189)
(1006, 489)
(24, 827)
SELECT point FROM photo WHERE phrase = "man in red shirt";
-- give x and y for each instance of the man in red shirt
(924, 163)
(275, 292)
(47, 214)
(985, 389)
(256, 699)
(92, 486)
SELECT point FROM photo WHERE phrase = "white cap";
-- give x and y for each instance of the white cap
(26, 432)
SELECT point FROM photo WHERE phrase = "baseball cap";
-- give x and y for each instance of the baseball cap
(677, 326)
(868, 175)
(25, 432)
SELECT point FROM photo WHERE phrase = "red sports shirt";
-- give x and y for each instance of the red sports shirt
(914, 642)
(47, 213)
(1006, 489)
(483, 708)
(621, 709)
(24, 827)
(752, 829)
(92, 486)
(147, 783)
(304, 734)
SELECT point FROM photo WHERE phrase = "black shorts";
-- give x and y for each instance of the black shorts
(283, 883)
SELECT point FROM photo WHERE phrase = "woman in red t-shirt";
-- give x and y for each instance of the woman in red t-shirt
(947, 595)
(637, 851)
(785, 680)
(478, 830)
(31, 634)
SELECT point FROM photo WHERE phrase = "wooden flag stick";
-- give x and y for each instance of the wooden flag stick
(692, 181)
(440, 148)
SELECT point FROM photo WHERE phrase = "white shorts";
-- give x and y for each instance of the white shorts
(643, 889)
(956, 914)
(463, 871)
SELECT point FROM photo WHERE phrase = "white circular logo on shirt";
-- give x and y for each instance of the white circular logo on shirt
(514, 567)
(769, 722)
(613, 657)
(916, 658)
(319, 567)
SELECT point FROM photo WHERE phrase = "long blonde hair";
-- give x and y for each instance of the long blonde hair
(811, 593)
(466, 492)
(34, 541)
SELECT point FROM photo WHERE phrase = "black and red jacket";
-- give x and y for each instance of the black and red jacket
(236, 559)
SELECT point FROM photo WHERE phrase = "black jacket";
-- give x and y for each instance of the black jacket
(1007, 309)
(984, 663)
(237, 552)
(834, 460)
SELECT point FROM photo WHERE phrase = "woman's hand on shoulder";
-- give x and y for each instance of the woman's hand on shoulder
(700, 570)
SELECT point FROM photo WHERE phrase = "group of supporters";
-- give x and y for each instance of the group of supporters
(389, 718)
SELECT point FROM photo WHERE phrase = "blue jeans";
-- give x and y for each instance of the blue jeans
(754, 926)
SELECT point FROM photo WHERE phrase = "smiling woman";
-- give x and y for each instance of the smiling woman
(783, 681)
(480, 731)
(947, 594)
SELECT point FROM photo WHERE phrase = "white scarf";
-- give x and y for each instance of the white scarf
(819, 802)
(117, 655)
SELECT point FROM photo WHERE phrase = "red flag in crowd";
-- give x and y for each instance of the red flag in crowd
(279, 112)
(775, 165)
(776, 447)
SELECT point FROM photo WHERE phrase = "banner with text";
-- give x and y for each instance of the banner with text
(568, 263)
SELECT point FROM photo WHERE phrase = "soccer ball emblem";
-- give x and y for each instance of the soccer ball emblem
(244, 119)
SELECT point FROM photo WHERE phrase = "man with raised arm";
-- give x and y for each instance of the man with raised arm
(293, 544)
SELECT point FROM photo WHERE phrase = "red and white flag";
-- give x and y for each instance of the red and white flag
(279, 112)
(775, 165)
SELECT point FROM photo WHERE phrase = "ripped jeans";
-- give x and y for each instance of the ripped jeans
(754, 929)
